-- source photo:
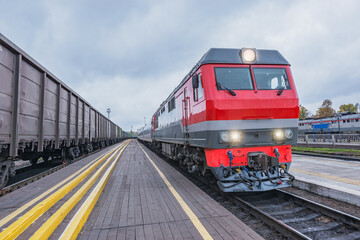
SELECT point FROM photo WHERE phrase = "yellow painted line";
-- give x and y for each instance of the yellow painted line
(331, 177)
(80, 218)
(53, 222)
(18, 211)
(194, 219)
(20, 225)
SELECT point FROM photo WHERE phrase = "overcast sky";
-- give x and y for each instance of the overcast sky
(129, 55)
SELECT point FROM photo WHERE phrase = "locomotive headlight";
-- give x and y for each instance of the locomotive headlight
(230, 137)
(235, 136)
(279, 135)
(289, 133)
(224, 137)
(248, 54)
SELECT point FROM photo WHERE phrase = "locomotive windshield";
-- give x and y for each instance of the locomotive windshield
(233, 78)
(271, 78)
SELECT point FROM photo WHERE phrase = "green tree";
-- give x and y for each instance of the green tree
(325, 110)
(349, 107)
(303, 113)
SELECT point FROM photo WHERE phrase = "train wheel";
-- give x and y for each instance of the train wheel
(4, 180)
(34, 161)
(204, 168)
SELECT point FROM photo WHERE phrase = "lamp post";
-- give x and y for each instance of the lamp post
(108, 112)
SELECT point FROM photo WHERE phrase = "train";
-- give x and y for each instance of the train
(345, 122)
(233, 117)
(41, 117)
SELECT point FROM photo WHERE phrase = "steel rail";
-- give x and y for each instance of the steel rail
(283, 228)
(288, 231)
(31, 179)
(325, 210)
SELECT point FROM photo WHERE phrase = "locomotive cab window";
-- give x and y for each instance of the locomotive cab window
(271, 78)
(233, 78)
(198, 92)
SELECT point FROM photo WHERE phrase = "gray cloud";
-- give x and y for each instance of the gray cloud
(129, 55)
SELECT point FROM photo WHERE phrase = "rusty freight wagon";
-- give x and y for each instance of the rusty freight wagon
(41, 117)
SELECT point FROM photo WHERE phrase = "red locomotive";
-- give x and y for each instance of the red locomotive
(235, 114)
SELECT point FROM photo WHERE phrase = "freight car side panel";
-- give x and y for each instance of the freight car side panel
(73, 117)
(97, 136)
(103, 127)
(29, 107)
(51, 95)
(113, 130)
(7, 65)
(64, 112)
(92, 125)
(80, 119)
(87, 122)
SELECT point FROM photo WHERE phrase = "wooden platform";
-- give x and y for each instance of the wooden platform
(137, 204)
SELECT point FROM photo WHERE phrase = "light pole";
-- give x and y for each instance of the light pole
(108, 112)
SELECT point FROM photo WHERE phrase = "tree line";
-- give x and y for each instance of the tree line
(326, 110)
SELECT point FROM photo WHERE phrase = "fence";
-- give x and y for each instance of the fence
(331, 139)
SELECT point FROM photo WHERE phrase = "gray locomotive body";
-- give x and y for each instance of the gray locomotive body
(41, 117)
(345, 123)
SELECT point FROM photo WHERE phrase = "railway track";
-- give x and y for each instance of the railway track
(25, 181)
(278, 214)
(298, 218)
(28, 174)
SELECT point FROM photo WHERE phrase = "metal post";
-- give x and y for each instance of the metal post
(57, 126)
(83, 123)
(15, 108)
(77, 122)
(68, 125)
(41, 114)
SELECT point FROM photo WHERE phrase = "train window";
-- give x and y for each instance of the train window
(163, 109)
(344, 121)
(271, 78)
(171, 104)
(356, 120)
(198, 92)
(233, 78)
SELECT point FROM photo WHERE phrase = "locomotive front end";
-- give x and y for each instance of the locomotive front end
(253, 110)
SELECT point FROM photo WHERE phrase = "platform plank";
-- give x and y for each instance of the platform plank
(137, 204)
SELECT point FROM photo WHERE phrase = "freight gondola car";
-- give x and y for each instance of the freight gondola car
(41, 117)
(235, 114)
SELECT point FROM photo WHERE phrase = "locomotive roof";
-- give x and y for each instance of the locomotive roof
(231, 56)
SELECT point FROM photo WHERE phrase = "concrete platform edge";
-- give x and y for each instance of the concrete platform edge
(327, 192)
